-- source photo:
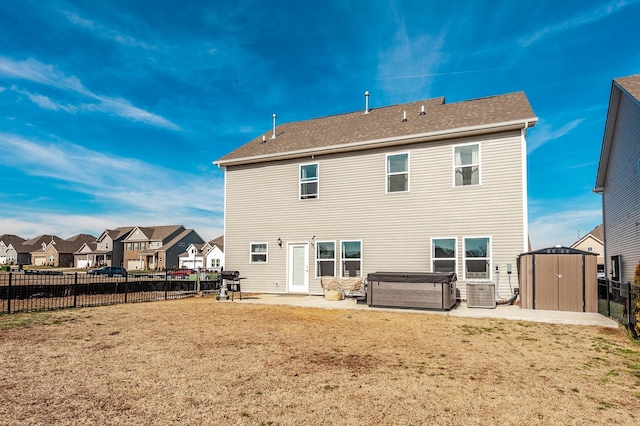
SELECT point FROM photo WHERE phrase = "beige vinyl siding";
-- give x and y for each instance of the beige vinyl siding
(395, 228)
(621, 203)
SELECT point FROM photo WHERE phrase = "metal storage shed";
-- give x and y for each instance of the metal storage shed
(559, 279)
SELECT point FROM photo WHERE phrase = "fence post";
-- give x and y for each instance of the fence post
(75, 289)
(629, 305)
(608, 298)
(166, 285)
(9, 295)
(126, 289)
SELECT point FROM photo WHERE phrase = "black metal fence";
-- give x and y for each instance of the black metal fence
(620, 301)
(21, 292)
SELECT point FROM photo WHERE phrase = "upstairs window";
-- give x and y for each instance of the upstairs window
(258, 253)
(443, 255)
(325, 258)
(466, 165)
(308, 181)
(398, 172)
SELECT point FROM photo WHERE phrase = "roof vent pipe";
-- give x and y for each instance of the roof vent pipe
(366, 102)
(274, 127)
(404, 116)
(422, 110)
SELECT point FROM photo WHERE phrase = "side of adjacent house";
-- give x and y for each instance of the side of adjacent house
(419, 187)
(618, 179)
(157, 247)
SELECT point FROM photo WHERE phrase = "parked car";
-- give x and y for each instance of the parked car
(180, 273)
(109, 271)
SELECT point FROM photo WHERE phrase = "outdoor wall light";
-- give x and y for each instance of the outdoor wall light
(280, 242)
(313, 241)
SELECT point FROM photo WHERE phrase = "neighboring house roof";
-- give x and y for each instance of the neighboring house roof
(84, 238)
(385, 126)
(179, 237)
(35, 244)
(219, 242)
(627, 86)
(597, 233)
(158, 233)
(12, 240)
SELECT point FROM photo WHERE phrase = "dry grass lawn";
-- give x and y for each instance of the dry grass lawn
(198, 361)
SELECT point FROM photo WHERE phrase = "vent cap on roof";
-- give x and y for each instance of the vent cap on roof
(366, 102)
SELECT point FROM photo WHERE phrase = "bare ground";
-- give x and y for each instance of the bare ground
(198, 361)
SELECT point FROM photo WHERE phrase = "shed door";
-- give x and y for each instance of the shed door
(558, 282)
(546, 282)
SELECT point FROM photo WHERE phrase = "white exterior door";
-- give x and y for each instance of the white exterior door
(298, 273)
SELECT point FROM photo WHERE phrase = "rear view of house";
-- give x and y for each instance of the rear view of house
(423, 187)
(618, 179)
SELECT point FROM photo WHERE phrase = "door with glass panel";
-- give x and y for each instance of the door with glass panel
(298, 261)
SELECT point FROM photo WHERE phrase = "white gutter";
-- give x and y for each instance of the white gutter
(377, 143)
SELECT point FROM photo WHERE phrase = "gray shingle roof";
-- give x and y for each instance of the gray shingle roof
(631, 85)
(382, 125)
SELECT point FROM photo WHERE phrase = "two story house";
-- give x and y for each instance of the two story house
(618, 179)
(108, 249)
(157, 247)
(426, 186)
(208, 256)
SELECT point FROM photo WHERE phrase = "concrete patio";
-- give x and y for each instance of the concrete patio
(507, 312)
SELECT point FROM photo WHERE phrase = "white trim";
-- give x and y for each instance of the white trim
(489, 258)
(455, 251)
(525, 203)
(317, 181)
(251, 252)
(479, 164)
(316, 259)
(361, 256)
(387, 173)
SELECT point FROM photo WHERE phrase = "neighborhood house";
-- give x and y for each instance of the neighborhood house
(426, 186)
(618, 179)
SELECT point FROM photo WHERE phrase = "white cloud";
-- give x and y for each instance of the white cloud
(575, 21)
(103, 32)
(568, 221)
(48, 75)
(545, 133)
(109, 181)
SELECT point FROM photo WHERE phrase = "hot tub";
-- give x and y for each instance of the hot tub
(414, 290)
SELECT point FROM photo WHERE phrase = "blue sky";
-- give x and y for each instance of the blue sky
(111, 112)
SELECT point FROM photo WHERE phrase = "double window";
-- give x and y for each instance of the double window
(398, 172)
(325, 258)
(351, 259)
(258, 253)
(477, 258)
(466, 160)
(309, 181)
(443, 255)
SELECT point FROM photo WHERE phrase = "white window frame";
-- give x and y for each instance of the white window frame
(266, 252)
(343, 259)
(488, 259)
(335, 255)
(389, 174)
(302, 182)
(455, 253)
(478, 165)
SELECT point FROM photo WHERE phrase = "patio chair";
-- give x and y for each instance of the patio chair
(352, 286)
(329, 283)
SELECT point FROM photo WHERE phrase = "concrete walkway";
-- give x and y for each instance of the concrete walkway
(507, 312)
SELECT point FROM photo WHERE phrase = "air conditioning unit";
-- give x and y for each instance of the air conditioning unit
(481, 295)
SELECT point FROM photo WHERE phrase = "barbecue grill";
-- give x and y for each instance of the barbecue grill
(230, 282)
